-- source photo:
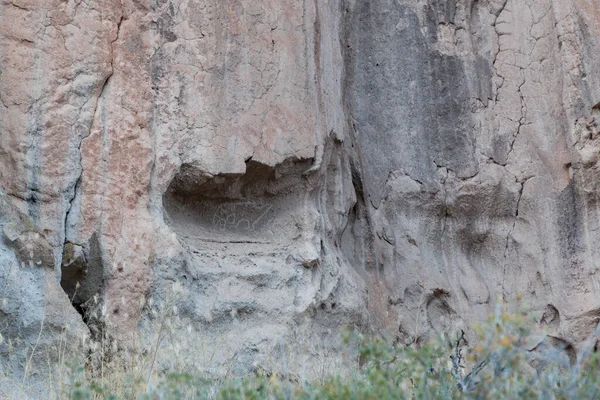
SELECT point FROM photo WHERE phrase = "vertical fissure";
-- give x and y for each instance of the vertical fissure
(79, 272)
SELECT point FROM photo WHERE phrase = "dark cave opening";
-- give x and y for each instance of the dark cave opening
(82, 277)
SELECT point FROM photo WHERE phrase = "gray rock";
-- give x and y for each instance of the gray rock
(293, 169)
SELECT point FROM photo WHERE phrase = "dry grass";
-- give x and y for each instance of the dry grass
(166, 361)
(165, 352)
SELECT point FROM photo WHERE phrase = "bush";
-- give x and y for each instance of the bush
(501, 366)
(509, 361)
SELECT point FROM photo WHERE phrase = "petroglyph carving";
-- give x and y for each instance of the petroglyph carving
(247, 215)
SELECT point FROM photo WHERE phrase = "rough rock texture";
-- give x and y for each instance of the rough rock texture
(298, 167)
(475, 123)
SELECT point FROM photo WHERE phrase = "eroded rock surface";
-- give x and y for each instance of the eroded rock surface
(299, 167)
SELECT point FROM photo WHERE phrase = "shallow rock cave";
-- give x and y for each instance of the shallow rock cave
(257, 206)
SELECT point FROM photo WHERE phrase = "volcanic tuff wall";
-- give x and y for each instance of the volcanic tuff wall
(297, 166)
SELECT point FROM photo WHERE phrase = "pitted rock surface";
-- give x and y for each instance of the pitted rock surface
(298, 168)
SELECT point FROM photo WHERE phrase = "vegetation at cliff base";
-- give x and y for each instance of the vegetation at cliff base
(512, 359)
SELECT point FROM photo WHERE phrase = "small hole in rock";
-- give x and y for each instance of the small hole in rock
(82, 275)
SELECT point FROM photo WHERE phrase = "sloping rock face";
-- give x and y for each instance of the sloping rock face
(476, 126)
(297, 168)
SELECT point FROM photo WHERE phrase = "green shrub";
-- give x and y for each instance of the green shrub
(506, 362)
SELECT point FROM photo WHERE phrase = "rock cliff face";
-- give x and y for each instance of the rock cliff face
(296, 167)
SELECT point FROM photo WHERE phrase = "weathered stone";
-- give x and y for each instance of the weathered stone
(299, 167)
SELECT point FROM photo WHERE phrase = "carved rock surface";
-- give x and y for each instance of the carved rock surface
(298, 167)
